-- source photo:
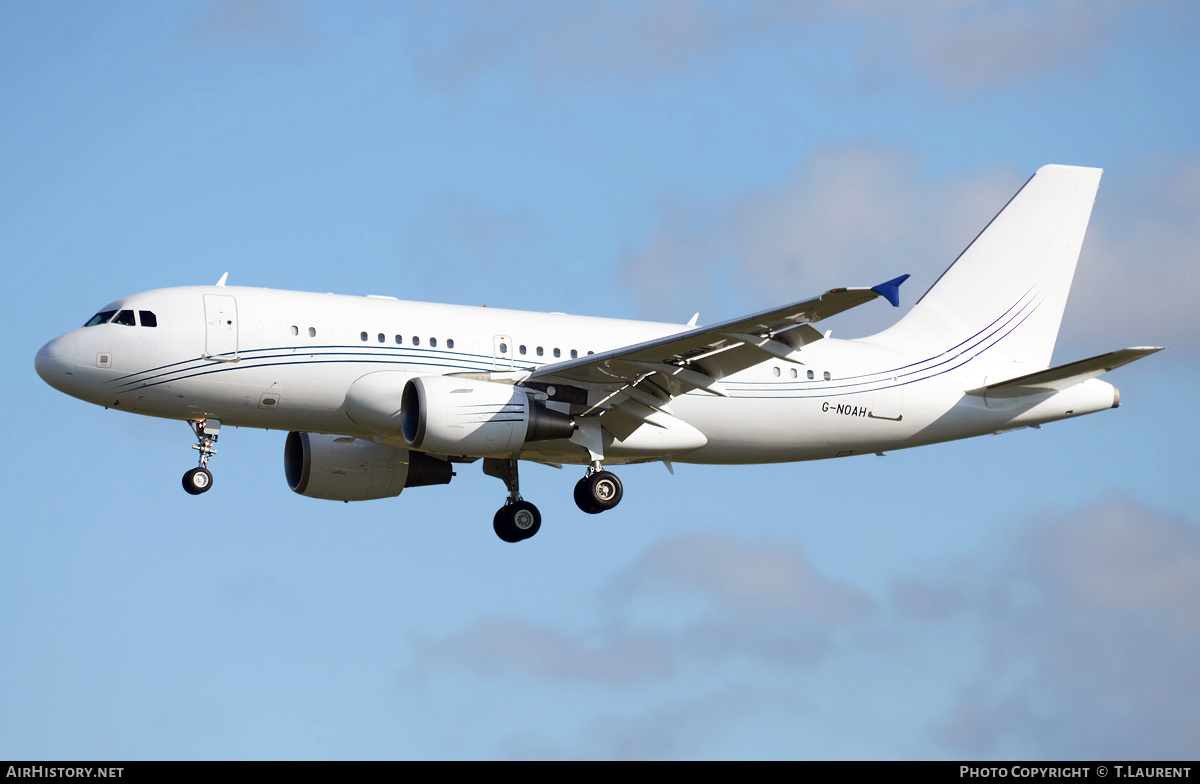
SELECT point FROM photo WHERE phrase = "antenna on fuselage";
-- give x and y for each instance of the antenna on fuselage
(224, 277)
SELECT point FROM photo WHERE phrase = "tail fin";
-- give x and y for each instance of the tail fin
(1006, 292)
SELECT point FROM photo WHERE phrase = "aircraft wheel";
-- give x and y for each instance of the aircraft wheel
(518, 521)
(503, 526)
(197, 481)
(603, 490)
(583, 499)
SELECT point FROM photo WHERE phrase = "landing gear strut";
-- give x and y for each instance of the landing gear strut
(598, 491)
(517, 519)
(200, 479)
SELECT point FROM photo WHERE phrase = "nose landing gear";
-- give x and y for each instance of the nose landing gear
(200, 479)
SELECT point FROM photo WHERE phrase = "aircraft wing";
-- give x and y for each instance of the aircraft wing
(699, 358)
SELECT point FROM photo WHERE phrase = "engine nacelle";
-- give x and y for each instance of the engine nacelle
(458, 416)
(342, 468)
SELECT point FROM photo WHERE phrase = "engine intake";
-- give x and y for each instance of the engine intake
(457, 416)
(342, 468)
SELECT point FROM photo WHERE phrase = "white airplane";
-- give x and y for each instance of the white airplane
(381, 394)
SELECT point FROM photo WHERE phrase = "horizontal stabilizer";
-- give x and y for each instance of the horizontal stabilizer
(1058, 378)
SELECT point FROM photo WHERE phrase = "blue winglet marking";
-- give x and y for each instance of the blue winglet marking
(891, 290)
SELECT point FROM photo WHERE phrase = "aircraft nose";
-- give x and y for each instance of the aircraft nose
(55, 361)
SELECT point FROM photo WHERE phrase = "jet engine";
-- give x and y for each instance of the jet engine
(458, 416)
(341, 468)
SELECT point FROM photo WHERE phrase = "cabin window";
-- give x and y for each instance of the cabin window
(125, 318)
(100, 318)
(827, 376)
(416, 340)
(363, 336)
(148, 319)
(795, 373)
(433, 342)
(503, 348)
(811, 376)
(521, 350)
(450, 343)
(398, 340)
(295, 330)
(382, 338)
(590, 353)
(574, 354)
(775, 372)
(539, 351)
(312, 332)
(557, 353)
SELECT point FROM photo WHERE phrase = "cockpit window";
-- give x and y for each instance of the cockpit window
(125, 317)
(100, 318)
(148, 318)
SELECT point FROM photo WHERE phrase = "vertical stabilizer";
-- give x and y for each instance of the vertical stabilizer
(1006, 292)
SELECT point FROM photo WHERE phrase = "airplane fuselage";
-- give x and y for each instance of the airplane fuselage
(286, 360)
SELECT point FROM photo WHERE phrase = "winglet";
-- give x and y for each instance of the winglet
(224, 278)
(694, 319)
(891, 290)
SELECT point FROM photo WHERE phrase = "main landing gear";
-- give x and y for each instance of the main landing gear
(517, 519)
(200, 479)
(598, 491)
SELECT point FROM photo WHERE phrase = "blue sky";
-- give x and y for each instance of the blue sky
(1032, 595)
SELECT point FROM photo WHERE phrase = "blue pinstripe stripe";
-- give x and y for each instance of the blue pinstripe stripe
(254, 359)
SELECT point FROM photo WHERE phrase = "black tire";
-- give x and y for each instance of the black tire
(583, 499)
(515, 522)
(604, 490)
(503, 526)
(197, 481)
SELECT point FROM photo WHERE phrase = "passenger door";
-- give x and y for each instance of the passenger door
(221, 328)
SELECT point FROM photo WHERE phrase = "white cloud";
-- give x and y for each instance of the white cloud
(675, 728)
(764, 602)
(275, 23)
(457, 43)
(1117, 560)
(457, 222)
(1090, 632)
(956, 44)
(858, 215)
(1076, 638)
(752, 582)
(495, 647)
(462, 243)
(966, 46)
(854, 215)
(1138, 277)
